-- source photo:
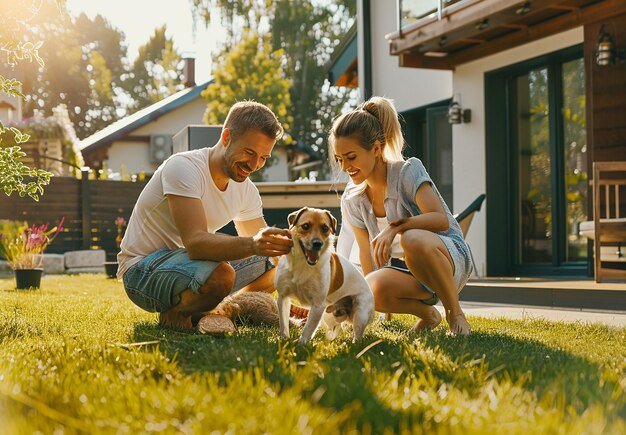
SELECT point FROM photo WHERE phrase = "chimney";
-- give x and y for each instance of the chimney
(189, 72)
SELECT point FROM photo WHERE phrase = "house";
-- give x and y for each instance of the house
(140, 142)
(511, 98)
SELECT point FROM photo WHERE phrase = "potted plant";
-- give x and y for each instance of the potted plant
(22, 246)
(110, 267)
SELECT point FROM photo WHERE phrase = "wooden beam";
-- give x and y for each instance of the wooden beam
(472, 40)
(563, 7)
(560, 24)
(420, 61)
(514, 26)
(459, 16)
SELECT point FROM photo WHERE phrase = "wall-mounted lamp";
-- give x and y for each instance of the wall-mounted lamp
(458, 115)
(606, 51)
(523, 9)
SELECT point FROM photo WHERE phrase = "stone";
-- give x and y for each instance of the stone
(53, 263)
(93, 269)
(85, 259)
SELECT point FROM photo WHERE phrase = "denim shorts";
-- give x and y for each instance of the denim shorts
(397, 264)
(463, 266)
(157, 280)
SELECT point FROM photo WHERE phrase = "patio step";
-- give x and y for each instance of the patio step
(583, 294)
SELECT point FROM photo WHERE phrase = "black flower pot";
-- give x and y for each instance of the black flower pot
(27, 278)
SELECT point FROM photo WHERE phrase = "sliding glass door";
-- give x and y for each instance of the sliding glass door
(543, 101)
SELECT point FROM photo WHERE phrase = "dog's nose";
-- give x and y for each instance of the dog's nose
(317, 244)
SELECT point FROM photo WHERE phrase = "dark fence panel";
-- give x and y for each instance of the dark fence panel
(90, 208)
(61, 199)
(109, 200)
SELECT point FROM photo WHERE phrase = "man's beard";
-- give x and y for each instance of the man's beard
(232, 170)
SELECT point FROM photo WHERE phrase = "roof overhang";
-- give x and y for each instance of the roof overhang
(343, 65)
(472, 29)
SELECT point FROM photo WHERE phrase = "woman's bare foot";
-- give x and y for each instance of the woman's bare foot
(428, 322)
(458, 324)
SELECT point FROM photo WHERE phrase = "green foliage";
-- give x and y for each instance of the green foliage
(154, 74)
(308, 47)
(83, 68)
(250, 71)
(306, 32)
(12, 170)
(17, 177)
(79, 356)
(11, 87)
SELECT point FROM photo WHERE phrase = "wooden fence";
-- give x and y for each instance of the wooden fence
(90, 208)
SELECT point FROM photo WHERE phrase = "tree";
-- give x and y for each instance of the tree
(250, 71)
(307, 32)
(154, 74)
(12, 43)
(83, 71)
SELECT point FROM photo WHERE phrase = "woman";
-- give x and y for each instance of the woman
(411, 248)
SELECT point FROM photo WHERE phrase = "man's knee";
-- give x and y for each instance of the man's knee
(220, 282)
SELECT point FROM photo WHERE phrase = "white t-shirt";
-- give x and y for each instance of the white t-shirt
(151, 225)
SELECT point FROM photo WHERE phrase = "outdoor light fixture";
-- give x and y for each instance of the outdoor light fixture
(482, 25)
(523, 9)
(456, 114)
(606, 51)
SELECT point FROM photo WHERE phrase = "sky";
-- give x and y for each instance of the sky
(138, 19)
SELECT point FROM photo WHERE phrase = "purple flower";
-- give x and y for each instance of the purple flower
(120, 222)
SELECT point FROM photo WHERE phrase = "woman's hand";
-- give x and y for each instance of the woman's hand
(381, 245)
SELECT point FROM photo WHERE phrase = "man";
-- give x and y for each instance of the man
(172, 261)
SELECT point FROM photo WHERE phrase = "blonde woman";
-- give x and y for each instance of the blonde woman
(411, 248)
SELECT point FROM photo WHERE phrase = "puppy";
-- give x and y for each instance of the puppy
(318, 277)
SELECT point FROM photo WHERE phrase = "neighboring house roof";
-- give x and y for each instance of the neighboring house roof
(120, 129)
(6, 105)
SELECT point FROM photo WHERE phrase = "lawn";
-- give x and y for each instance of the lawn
(72, 358)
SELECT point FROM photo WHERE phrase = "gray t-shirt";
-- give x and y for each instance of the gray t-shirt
(403, 180)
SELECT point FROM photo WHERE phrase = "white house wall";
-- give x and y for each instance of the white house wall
(136, 155)
(469, 139)
(408, 87)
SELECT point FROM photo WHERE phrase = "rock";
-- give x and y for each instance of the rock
(53, 263)
(85, 259)
(75, 270)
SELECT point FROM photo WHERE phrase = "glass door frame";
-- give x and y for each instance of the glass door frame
(501, 167)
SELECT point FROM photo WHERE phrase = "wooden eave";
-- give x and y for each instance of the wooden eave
(473, 29)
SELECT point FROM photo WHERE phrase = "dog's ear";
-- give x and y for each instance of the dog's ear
(333, 222)
(293, 217)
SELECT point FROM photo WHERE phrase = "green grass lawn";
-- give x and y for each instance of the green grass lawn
(71, 359)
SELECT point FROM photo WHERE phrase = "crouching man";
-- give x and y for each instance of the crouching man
(172, 261)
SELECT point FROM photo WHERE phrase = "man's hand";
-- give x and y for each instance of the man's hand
(272, 241)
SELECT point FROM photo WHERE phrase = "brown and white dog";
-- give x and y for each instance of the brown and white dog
(318, 277)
